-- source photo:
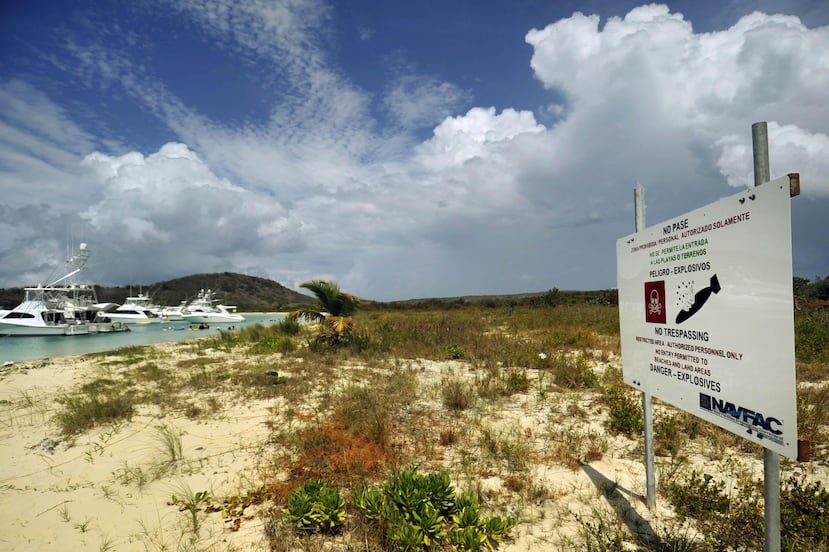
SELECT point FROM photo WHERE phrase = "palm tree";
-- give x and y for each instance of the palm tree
(334, 310)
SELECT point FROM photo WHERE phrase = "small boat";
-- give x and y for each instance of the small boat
(201, 310)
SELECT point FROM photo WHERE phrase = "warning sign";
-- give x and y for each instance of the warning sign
(707, 322)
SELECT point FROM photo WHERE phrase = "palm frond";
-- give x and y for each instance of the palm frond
(331, 299)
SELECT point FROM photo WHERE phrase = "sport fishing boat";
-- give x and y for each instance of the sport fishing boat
(137, 309)
(59, 308)
(201, 310)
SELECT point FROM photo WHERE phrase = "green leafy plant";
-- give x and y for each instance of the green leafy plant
(288, 325)
(804, 512)
(315, 506)
(193, 503)
(423, 511)
(455, 352)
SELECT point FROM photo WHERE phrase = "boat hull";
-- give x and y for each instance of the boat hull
(126, 319)
(214, 318)
(14, 330)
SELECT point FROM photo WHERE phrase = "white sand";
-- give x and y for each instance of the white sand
(107, 489)
(88, 493)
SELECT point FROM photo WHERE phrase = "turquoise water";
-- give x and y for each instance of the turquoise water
(18, 349)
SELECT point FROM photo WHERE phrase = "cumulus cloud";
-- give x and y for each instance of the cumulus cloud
(459, 139)
(491, 202)
(171, 203)
(708, 86)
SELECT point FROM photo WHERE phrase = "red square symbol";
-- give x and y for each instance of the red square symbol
(655, 302)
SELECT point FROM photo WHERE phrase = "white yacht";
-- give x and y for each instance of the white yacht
(137, 309)
(41, 313)
(173, 314)
(201, 310)
(58, 309)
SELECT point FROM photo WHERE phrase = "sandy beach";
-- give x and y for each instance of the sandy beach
(112, 487)
(109, 488)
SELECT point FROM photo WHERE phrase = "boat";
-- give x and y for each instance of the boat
(173, 314)
(137, 309)
(41, 313)
(202, 310)
(58, 308)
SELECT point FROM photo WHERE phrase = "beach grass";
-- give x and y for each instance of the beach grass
(490, 393)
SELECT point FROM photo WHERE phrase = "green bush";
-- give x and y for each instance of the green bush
(699, 496)
(423, 511)
(314, 506)
(289, 325)
(811, 335)
(625, 411)
(804, 514)
(273, 344)
(734, 521)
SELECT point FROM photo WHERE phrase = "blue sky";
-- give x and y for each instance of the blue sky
(403, 149)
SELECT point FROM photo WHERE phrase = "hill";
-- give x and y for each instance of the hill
(248, 293)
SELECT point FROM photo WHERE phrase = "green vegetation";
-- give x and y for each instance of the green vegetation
(467, 391)
(315, 506)
(417, 511)
(734, 520)
(333, 311)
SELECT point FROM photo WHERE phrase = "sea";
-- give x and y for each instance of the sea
(19, 349)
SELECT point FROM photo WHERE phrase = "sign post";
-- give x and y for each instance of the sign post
(707, 320)
(771, 460)
(647, 402)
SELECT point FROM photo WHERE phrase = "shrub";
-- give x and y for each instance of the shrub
(315, 506)
(804, 514)
(273, 344)
(699, 496)
(735, 521)
(289, 326)
(456, 394)
(337, 454)
(811, 336)
(421, 511)
(625, 411)
(574, 372)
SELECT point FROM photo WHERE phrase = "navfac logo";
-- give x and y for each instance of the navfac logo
(765, 427)
(655, 307)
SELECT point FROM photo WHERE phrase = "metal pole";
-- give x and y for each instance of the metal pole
(760, 142)
(771, 460)
(647, 403)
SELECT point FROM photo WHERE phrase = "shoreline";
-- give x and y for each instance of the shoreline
(27, 348)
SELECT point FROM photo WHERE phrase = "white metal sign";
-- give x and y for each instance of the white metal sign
(707, 323)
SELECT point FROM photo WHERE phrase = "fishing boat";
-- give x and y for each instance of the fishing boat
(202, 310)
(137, 309)
(173, 314)
(62, 307)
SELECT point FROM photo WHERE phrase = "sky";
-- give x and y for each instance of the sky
(402, 149)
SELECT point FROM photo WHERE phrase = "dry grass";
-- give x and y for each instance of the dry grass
(496, 396)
